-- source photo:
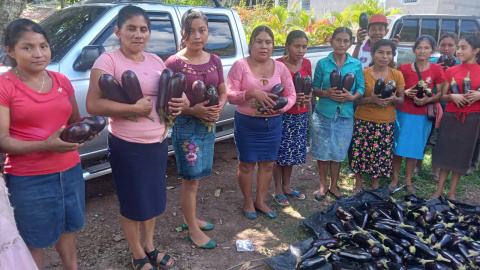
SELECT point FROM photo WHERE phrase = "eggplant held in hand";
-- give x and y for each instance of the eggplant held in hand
(176, 87)
(297, 82)
(454, 87)
(307, 86)
(447, 61)
(162, 93)
(199, 92)
(348, 81)
(389, 89)
(212, 96)
(336, 79)
(363, 21)
(76, 133)
(132, 88)
(277, 90)
(112, 90)
(467, 84)
(280, 103)
(96, 122)
(379, 86)
(397, 29)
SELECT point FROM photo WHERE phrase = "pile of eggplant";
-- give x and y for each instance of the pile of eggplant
(83, 129)
(447, 61)
(385, 90)
(398, 235)
(280, 101)
(302, 85)
(170, 86)
(201, 93)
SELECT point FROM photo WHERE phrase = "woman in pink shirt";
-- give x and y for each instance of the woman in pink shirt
(257, 137)
(43, 173)
(137, 156)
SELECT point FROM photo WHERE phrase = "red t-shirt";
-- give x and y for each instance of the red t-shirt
(34, 117)
(432, 76)
(305, 70)
(459, 73)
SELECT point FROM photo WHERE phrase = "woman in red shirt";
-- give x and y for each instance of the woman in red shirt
(459, 128)
(412, 126)
(43, 173)
(293, 146)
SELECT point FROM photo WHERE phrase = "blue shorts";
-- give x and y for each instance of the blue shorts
(48, 205)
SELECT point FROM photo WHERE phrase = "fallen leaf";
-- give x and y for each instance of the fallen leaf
(245, 266)
(217, 192)
(178, 229)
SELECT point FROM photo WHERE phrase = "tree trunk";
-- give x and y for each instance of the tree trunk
(10, 10)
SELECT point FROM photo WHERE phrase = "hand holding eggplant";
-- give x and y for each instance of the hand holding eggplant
(263, 98)
(361, 35)
(177, 105)
(411, 92)
(144, 106)
(472, 96)
(422, 101)
(459, 99)
(55, 144)
(201, 111)
(300, 98)
(347, 96)
(334, 94)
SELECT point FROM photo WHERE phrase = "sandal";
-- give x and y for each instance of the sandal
(153, 257)
(356, 190)
(410, 189)
(140, 263)
(280, 198)
(297, 194)
(434, 176)
(391, 188)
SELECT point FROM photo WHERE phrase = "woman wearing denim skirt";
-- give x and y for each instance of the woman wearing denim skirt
(193, 138)
(332, 121)
(258, 136)
(43, 173)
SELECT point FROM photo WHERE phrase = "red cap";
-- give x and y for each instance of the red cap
(378, 18)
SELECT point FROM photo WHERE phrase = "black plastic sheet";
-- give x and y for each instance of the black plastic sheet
(316, 223)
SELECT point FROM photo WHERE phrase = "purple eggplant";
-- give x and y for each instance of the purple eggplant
(363, 21)
(112, 89)
(389, 89)
(297, 82)
(397, 29)
(363, 240)
(212, 96)
(338, 265)
(348, 81)
(162, 93)
(434, 266)
(356, 214)
(355, 254)
(336, 79)
(379, 86)
(76, 133)
(443, 242)
(132, 88)
(395, 266)
(96, 122)
(454, 87)
(333, 228)
(176, 87)
(467, 83)
(454, 262)
(277, 89)
(307, 85)
(280, 103)
(199, 92)
(442, 58)
(343, 215)
(312, 263)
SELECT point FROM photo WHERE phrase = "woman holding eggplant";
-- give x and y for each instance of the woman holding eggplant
(332, 120)
(412, 126)
(459, 128)
(257, 136)
(193, 140)
(135, 151)
(293, 146)
(372, 141)
(43, 173)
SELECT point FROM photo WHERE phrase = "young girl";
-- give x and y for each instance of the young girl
(190, 135)
(412, 126)
(293, 147)
(332, 121)
(459, 129)
(372, 142)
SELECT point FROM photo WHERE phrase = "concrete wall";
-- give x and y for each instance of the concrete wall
(325, 6)
(422, 7)
(464, 7)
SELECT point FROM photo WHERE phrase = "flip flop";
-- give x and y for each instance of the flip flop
(295, 193)
(355, 191)
(391, 188)
(280, 198)
(336, 197)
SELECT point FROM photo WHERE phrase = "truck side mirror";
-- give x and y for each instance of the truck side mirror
(87, 57)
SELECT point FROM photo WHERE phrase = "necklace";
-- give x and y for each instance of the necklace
(43, 80)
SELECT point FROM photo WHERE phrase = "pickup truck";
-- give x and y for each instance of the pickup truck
(79, 33)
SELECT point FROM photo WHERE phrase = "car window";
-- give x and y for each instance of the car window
(162, 38)
(67, 26)
(410, 30)
(469, 27)
(430, 27)
(220, 39)
(449, 26)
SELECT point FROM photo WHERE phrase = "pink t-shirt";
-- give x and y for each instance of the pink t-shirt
(148, 73)
(34, 117)
(240, 79)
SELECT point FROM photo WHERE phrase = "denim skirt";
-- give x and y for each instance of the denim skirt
(330, 137)
(257, 138)
(48, 205)
(194, 146)
(139, 174)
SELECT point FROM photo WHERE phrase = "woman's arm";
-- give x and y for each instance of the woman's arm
(432, 99)
(96, 103)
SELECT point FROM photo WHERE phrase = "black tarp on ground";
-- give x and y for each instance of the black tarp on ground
(316, 223)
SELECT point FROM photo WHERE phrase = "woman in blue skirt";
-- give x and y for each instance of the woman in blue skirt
(257, 137)
(412, 126)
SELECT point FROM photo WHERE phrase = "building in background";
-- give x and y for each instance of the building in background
(463, 7)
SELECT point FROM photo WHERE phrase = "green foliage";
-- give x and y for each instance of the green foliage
(371, 7)
(186, 2)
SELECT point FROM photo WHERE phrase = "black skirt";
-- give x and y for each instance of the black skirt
(457, 143)
(139, 172)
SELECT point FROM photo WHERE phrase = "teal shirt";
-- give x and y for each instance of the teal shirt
(321, 80)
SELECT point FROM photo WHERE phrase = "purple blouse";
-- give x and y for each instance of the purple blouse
(211, 73)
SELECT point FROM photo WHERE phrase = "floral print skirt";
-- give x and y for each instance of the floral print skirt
(372, 148)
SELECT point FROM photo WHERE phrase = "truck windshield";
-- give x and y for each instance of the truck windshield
(67, 26)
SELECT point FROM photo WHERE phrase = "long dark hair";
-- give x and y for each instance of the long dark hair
(14, 32)
(130, 11)
(294, 35)
(187, 20)
(257, 31)
(474, 41)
